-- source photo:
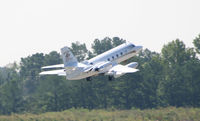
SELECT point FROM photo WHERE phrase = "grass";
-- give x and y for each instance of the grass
(162, 114)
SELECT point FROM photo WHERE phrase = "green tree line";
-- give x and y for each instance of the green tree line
(169, 78)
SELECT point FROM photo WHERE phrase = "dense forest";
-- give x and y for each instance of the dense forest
(169, 78)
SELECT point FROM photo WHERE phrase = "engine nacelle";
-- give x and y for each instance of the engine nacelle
(102, 66)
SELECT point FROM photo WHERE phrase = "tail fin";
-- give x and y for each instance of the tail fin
(68, 58)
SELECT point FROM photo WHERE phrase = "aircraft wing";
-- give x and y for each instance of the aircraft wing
(60, 72)
(54, 66)
(120, 69)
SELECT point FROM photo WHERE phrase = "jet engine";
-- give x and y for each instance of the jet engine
(102, 66)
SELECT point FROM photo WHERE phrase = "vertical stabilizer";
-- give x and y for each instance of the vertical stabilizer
(68, 58)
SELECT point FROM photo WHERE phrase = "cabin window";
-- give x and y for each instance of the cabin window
(91, 63)
(113, 57)
(108, 59)
(117, 55)
(121, 53)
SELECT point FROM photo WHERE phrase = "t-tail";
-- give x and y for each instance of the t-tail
(69, 59)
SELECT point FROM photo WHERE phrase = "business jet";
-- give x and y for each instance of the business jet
(106, 63)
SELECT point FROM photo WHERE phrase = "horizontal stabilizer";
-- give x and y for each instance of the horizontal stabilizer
(53, 66)
(60, 72)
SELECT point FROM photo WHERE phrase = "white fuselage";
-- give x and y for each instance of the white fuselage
(108, 58)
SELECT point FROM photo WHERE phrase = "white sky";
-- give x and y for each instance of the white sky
(30, 26)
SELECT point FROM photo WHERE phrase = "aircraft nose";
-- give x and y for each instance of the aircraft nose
(139, 48)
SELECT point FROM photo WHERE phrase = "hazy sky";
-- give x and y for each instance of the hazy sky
(30, 26)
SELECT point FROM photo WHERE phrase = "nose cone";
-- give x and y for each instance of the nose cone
(138, 48)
